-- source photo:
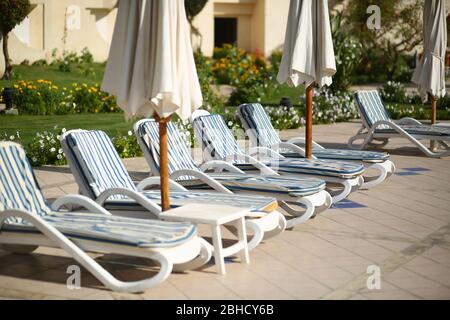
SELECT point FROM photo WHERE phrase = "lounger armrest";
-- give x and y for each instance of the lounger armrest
(75, 199)
(265, 170)
(202, 177)
(156, 181)
(302, 141)
(264, 152)
(408, 121)
(221, 165)
(136, 196)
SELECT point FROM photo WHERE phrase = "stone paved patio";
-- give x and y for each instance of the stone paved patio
(403, 227)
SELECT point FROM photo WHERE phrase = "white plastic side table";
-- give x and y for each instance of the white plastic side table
(216, 216)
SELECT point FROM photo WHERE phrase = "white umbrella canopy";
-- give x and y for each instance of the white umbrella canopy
(308, 54)
(430, 71)
(151, 68)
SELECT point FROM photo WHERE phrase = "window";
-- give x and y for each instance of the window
(225, 31)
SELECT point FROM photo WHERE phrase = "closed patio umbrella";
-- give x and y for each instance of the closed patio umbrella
(308, 55)
(151, 68)
(430, 71)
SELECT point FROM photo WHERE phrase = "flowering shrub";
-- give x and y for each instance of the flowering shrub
(249, 73)
(393, 92)
(348, 53)
(45, 148)
(90, 99)
(127, 145)
(42, 97)
(39, 97)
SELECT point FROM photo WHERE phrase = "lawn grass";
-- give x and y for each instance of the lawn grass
(52, 73)
(111, 123)
(284, 91)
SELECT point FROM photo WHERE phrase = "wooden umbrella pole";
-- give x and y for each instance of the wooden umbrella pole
(308, 134)
(164, 162)
(433, 118)
(433, 109)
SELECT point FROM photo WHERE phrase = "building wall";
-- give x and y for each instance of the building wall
(261, 23)
(69, 25)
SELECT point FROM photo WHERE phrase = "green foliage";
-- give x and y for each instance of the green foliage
(42, 97)
(45, 148)
(126, 145)
(251, 75)
(393, 92)
(211, 101)
(386, 50)
(70, 61)
(348, 53)
(12, 12)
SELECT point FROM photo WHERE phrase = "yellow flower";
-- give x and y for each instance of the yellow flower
(16, 86)
(39, 94)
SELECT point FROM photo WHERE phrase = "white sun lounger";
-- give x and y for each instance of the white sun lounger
(27, 222)
(262, 134)
(377, 125)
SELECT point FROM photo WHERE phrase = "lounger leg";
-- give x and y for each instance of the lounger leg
(385, 169)
(203, 258)
(258, 234)
(242, 236)
(349, 185)
(218, 250)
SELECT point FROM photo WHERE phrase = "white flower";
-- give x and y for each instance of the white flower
(60, 151)
(52, 150)
(11, 137)
(59, 157)
(130, 133)
(34, 159)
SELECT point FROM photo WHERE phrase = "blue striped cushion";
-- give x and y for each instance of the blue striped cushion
(269, 185)
(371, 107)
(18, 186)
(180, 198)
(119, 230)
(424, 130)
(256, 119)
(99, 161)
(219, 141)
(341, 154)
(216, 137)
(180, 157)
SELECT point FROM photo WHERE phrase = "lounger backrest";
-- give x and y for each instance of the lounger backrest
(18, 187)
(258, 125)
(98, 161)
(180, 157)
(371, 108)
(216, 137)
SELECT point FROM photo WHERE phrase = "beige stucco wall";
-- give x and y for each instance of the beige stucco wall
(261, 23)
(47, 30)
